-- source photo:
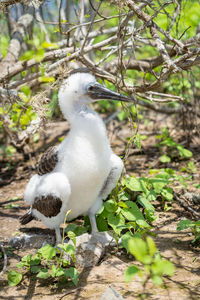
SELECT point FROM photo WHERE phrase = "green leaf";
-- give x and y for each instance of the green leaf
(71, 235)
(133, 213)
(68, 248)
(134, 184)
(110, 206)
(125, 238)
(115, 221)
(183, 224)
(167, 193)
(39, 55)
(53, 271)
(184, 152)
(35, 269)
(48, 45)
(14, 278)
(151, 195)
(157, 279)
(165, 158)
(73, 274)
(196, 185)
(101, 223)
(151, 245)
(162, 267)
(28, 55)
(138, 248)
(158, 184)
(46, 79)
(47, 252)
(131, 272)
(44, 274)
(26, 90)
(145, 203)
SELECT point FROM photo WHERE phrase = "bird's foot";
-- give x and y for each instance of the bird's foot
(105, 238)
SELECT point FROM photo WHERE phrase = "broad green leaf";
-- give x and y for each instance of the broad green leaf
(53, 271)
(69, 249)
(196, 185)
(131, 272)
(151, 245)
(39, 55)
(71, 235)
(138, 248)
(26, 90)
(145, 203)
(158, 184)
(110, 206)
(101, 223)
(184, 152)
(14, 278)
(35, 269)
(123, 196)
(28, 55)
(122, 204)
(157, 279)
(73, 274)
(44, 274)
(115, 221)
(47, 251)
(162, 267)
(134, 184)
(57, 272)
(169, 142)
(165, 158)
(60, 272)
(125, 238)
(183, 224)
(25, 119)
(133, 213)
(167, 193)
(151, 195)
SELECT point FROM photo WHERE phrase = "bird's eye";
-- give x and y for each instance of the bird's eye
(90, 88)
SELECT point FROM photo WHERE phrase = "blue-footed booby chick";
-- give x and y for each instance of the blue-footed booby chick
(79, 173)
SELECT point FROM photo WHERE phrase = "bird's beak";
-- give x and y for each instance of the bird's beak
(99, 92)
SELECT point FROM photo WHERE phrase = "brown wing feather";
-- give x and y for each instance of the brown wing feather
(49, 205)
(48, 161)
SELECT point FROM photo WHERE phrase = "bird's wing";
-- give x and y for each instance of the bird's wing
(49, 205)
(48, 161)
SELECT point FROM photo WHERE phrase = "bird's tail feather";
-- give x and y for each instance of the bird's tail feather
(28, 217)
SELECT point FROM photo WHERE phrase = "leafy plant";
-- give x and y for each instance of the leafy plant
(47, 264)
(170, 148)
(153, 266)
(194, 226)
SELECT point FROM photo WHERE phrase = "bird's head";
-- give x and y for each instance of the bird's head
(81, 88)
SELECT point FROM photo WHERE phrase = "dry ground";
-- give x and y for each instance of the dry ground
(174, 245)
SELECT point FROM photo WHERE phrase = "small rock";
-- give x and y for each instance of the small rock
(111, 294)
(88, 250)
(31, 240)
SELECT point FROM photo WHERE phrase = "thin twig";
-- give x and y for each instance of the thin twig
(4, 262)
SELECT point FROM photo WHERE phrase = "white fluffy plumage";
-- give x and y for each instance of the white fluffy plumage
(87, 170)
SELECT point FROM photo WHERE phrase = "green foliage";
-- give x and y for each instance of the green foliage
(152, 265)
(14, 278)
(171, 148)
(46, 263)
(194, 226)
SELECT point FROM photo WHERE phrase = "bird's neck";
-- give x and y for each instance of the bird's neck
(86, 122)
